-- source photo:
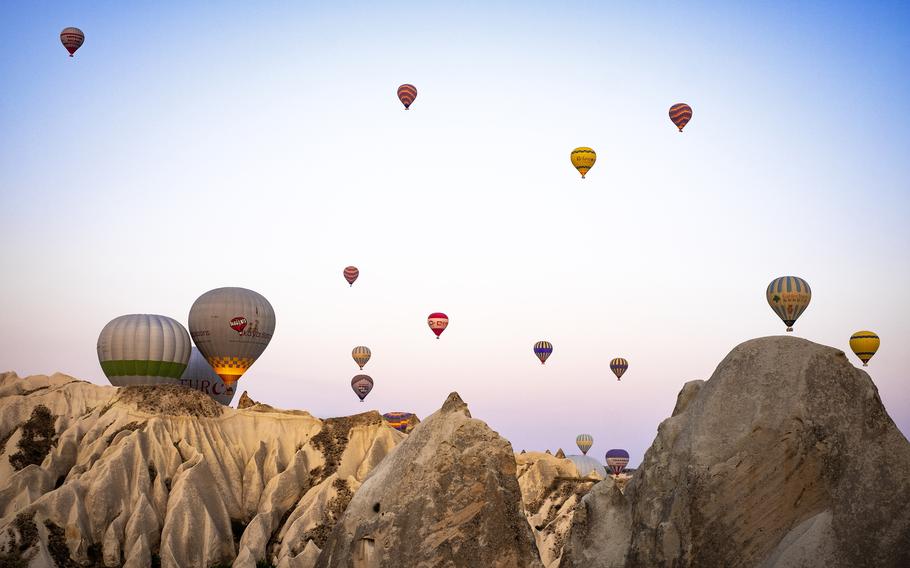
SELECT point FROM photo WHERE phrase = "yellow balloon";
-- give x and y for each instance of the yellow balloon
(864, 344)
(583, 159)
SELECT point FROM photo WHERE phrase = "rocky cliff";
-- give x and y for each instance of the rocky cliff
(142, 475)
(784, 458)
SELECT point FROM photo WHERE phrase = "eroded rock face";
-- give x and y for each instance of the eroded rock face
(550, 490)
(785, 457)
(600, 530)
(144, 474)
(447, 496)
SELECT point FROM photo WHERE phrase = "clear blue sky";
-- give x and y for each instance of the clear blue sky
(256, 144)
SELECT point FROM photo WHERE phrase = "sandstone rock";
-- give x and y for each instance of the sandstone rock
(784, 458)
(560, 453)
(447, 496)
(550, 490)
(600, 531)
(245, 401)
(141, 473)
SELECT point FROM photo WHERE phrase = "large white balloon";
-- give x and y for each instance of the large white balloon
(231, 327)
(143, 349)
(200, 376)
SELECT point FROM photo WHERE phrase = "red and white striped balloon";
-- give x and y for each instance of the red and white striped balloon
(350, 274)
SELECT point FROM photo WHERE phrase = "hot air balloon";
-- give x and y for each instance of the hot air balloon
(438, 322)
(586, 466)
(584, 442)
(864, 344)
(619, 366)
(617, 460)
(72, 39)
(406, 94)
(362, 385)
(399, 420)
(143, 349)
(231, 327)
(361, 355)
(789, 297)
(350, 274)
(543, 349)
(680, 114)
(200, 376)
(583, 159)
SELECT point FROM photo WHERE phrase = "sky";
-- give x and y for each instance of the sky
(190, 146)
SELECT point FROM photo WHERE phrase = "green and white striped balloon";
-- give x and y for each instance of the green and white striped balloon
(143, 349)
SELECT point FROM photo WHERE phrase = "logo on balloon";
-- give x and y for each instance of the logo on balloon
(238, 324)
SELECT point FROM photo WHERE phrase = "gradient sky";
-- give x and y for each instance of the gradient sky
(189, 147)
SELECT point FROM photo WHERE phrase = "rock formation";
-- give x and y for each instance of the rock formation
(784, 458)
(245, 401)
(550, 489)
(141, 475)
(446, 496)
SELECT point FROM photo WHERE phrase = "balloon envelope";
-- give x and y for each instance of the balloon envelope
(584, 442)
(200, 376)
(680, 114)
(72, 39)
(231, 327)
(399, 420)
(362, 385)
(617, 460)
(438, 322)
(586, 464)
(350, 274)
(864, 344)
(789, 297)
(143, 349)
(361, 355)
(619, 367)
(583, 159)
(543, 349)
(406, 94)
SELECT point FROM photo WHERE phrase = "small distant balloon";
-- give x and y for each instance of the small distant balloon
(362, 385)
(619, 366)
(350, 274)
(583, 159)
(617, 460)
(398, 420)
(584, 442)
(406, 94)
(361, 355)
(680, 114)
(864, 344)
(543, 349)
(438, 322)
(72, 39)
(789, 297)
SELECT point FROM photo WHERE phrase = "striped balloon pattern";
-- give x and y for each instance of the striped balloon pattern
(680, 114)
(789, 297)
(362, 385)
(584, 442)
(583, 159)
(864, 344)
(143, 349)
(438, 322)
(617, 460)
(200, 376)
(231, 327)
(406, 94)
(361, 355)
(619, 366)
(350, 274)
(72, 39)
(543, 349)
(398, 420)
